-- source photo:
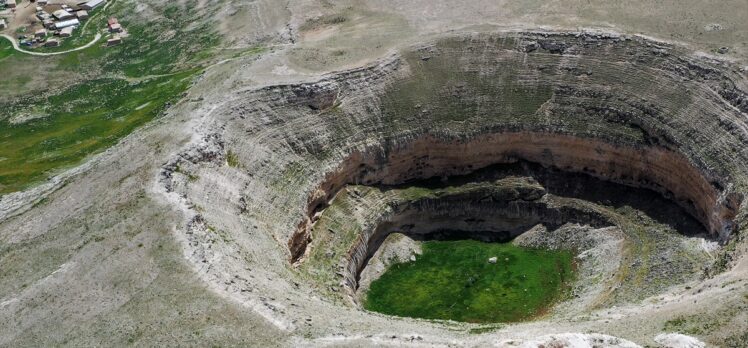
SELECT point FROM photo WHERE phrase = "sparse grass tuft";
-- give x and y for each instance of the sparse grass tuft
(232, 159)
(323, 21)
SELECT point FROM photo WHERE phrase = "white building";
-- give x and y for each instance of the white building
(67, 23)
(2, 24)
(93, 4)
(10, 3)
(62, 15)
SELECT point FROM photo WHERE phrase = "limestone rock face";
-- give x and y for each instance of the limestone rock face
(624, 109)
(676, 340)
(571, 340)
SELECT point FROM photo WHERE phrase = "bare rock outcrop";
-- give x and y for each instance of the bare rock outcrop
(620, 108)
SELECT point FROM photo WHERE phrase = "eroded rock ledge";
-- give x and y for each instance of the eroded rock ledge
(621, 108)
(651, 167)
(501, 202)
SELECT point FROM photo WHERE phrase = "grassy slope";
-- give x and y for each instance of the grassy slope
(453, 280)
(121, 88)
(101, 112)
(6, 49)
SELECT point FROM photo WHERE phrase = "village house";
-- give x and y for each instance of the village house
(67, 23)
(62, 15)
(82, 14)
(115, 40)
(92, 4)
(41, 2)
(66, 32)
(48, 23)
(40, 33)
(52, 43)
(114, 25)
(43, 16)
(2, 24)
(10, 3)
(115, 28)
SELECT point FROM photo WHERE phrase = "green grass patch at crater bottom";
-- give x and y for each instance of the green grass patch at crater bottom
(454, 280)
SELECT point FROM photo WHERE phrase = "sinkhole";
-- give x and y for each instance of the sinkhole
(534, 143)
(501, 243)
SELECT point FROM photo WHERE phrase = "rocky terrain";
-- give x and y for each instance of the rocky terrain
(617, 108)
(248, 213)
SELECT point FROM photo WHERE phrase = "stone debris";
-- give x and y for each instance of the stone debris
(676, 340)
(570, 340)
(313, 106)
(713, 27)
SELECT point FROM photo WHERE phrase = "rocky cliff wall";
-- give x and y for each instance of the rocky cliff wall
(622, 108)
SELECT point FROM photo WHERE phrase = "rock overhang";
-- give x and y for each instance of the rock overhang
(622, 108)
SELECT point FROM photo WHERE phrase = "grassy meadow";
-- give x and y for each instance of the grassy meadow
(77, 104)
(453, 280)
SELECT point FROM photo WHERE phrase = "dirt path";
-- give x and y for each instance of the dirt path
(83, 29)
(103, 9)
(19, 49)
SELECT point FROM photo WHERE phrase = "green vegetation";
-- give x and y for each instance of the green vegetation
(232, 159)
(703, 324)
(108, 91)
(82, 36)
(76, 123)
(454, 280)
(6, 49)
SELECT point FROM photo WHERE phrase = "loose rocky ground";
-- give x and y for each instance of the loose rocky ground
(178, 234)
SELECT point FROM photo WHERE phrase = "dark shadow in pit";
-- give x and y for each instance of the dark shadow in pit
(581, 186)
(454, 235)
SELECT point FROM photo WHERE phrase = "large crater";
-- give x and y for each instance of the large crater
(626, 149)
(652, 167)
(545, 206)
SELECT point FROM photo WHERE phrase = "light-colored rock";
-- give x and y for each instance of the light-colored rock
(676, 340)
(570, 340)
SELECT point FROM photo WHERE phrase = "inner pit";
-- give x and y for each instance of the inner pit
(524, 202)
(650, 118)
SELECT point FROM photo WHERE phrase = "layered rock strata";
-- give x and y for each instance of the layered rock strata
(649, 167)
(501, 202)
(621, 108)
